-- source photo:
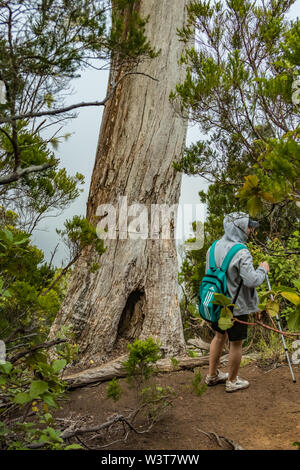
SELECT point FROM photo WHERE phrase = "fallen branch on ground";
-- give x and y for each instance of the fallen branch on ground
(115, 368)
(70, 432)
(67, 433)
(222, 441)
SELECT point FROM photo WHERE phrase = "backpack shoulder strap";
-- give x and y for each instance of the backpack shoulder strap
(231, 254)
(212, 263)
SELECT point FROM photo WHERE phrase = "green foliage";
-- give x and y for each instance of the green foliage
(43, 45)
(24, 275)
(276, 172)
(157, 399)
(142, 356)
(40, 193)
(30, 295)
(284, 268)
(32, 382)
(226, 319)
(198, 386)
(238, 89)
(244, 107)
(270, 349)
(151, 398)
(192, 353)
(79, 233)
(174, 361)
(54, 39)
(114, 390)
(127, 39)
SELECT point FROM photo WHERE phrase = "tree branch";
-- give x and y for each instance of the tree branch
(63, 272)
(20, 172)
(73, 106)
(257, 322)
(36, 348)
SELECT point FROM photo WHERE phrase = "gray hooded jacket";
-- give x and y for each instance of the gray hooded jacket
(241, 266)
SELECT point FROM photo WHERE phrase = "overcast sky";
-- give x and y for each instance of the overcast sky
(77, 154)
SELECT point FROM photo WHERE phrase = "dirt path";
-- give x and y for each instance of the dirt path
(265, 416)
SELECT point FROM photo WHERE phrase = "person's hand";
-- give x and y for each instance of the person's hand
(265, 265)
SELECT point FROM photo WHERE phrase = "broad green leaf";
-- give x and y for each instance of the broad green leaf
(20, 242)
(292, 297)
(73, 447)
(37, 388)
(22, 398)
(58, 365)
(266, 294)
(267, 196)
(5, 368)
(296, 283)
(251, 181)
(48, 417)
(47, 398)
(225, 323)
(54, 435)
(226, 319)
(284, 289)
(294, 320)
(254, 205)
(8, 234)
(220, 299)
(261, 306)
(272, 308)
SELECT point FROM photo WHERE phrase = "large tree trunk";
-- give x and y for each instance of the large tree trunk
(134, 294)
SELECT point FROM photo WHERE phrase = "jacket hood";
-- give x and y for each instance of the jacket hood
(235, 227)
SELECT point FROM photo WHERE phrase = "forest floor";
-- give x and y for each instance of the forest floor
(266, 416)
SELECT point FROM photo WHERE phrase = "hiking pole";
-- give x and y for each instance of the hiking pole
(282, 337)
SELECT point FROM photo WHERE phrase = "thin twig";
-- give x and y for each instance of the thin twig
(66, 109)
(36, 348)
(257, 322)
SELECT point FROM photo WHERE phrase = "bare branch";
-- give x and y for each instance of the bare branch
(36, 348)
(20, 172)
(54, 112)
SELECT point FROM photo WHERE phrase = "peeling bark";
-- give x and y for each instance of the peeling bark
(134, 294)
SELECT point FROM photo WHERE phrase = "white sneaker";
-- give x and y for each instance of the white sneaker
(219, 378)
(239, 384)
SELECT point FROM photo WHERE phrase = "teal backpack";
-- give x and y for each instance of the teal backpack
(215, 281)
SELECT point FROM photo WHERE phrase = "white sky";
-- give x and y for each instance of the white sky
(78, 155)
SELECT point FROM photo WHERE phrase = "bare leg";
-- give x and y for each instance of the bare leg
(216, 347)
(235, 356)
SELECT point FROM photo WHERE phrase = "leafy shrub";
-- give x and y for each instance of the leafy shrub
(151, 398)
(32, 383)
(197, 384)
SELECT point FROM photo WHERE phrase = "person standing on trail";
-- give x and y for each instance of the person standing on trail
(237, 227)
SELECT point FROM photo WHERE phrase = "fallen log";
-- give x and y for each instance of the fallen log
(115, 368)
(198, 343)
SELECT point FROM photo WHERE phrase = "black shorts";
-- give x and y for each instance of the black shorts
(237, 332)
